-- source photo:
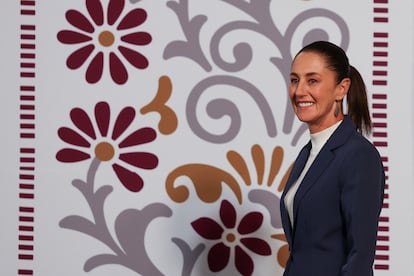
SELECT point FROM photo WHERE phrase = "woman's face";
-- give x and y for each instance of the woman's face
(313, 90)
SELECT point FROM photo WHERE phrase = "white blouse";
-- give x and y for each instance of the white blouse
(317, 140)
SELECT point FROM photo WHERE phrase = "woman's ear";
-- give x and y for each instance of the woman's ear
(343, 88)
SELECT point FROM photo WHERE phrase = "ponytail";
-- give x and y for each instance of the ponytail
(358, 103)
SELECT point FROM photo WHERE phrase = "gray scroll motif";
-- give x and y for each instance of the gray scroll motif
(262, 23)
(130, 228)
(221, 107)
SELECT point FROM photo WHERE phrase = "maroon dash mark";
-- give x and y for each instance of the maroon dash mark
(27, 98)
(27, 88)
(380, 35)
(379, 105)
(25, 272)
(27, 74)
(27, 12)
(27, 36)
(377, 134)
(380, 10)
(28, 27)
(380, 54)
(379, 125)
(381, 44)
(381, 19)
(377, 96)
(26, 46)
(26, 247)
(28, 55)
(27, 3)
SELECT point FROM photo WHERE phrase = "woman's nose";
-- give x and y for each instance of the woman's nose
(299, 88)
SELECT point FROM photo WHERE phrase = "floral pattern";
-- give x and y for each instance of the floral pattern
(85, 143)
(229, 236)
(109, 37)
(112, 37)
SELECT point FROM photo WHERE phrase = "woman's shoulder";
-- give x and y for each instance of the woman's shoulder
(359, 145)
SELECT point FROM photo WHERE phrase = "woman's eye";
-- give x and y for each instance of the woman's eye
(312, 81)
(294, 81)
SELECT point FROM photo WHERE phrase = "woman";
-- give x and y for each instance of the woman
(333, 197)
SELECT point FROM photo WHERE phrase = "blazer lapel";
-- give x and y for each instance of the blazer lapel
(318, 166)
(322, 160)
(298, 166)
(296, 170)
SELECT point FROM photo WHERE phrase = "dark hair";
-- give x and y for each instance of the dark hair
(337, 61)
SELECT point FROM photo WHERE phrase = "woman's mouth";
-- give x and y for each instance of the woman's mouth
(304, 104)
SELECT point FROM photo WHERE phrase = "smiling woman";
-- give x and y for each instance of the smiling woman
(314, 91)
(332, 200)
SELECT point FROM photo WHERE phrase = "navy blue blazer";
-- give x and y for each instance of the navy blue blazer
(336, 207)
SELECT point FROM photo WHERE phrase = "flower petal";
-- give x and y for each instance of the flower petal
(141, 136)
(243, 262)
(135, 58)
(71, 37)
(118, 71)
(72, 137)
(95, 9)
(250, 223)
(218, 257)
(82, 121)
(142, 160)
(78, 20)
(123, 121)
(132, 181)
(257, 245)
(95, 69)
(208, 228)
(115, 8)
(102, 116)
(137, 38)
(71, 155)
(78, 58)
(228, 214)
(133, 19)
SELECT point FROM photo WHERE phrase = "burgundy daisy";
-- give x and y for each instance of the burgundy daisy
(228, 236)
(97, 38)
(86, 141)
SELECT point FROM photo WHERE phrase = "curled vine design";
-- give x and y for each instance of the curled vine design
(263, 23)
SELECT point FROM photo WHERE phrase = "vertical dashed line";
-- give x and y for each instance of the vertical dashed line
(27, 128)
(379, 109)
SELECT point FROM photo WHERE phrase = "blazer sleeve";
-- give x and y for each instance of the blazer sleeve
(363, 181)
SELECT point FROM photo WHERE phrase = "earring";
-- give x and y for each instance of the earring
(336, 112)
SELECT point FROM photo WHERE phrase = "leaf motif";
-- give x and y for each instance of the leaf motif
(130, 227)
(78, 223)
(99, 260)
(207, 180)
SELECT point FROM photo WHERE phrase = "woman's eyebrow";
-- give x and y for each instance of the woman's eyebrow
(310, 74)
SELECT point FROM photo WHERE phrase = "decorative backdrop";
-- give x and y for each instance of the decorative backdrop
(152, 138)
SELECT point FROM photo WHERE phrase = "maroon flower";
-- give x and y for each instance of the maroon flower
(85, 143)
(94, 36)
(229, 236)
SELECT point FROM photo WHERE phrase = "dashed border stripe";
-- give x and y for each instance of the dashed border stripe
(380, 122)
(27, 129)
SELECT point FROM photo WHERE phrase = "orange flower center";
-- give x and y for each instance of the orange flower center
(230, 237)
(106, 38)
(104, 151)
